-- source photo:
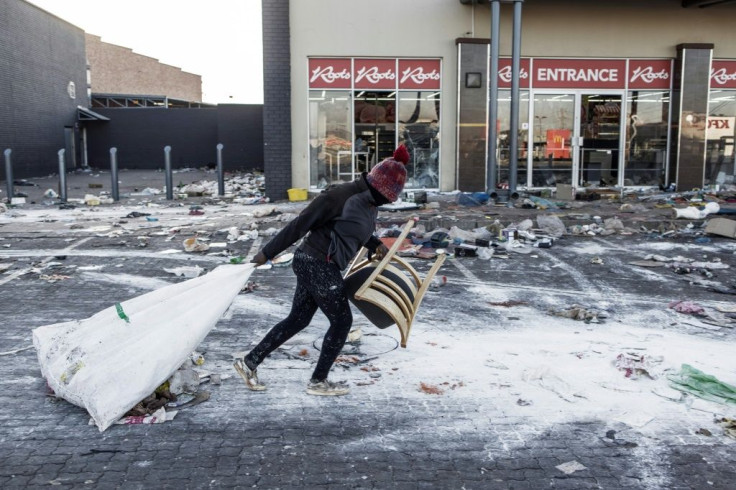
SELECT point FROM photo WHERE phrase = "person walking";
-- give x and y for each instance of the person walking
(336, 223)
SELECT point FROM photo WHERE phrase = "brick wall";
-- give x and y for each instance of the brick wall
(276, 98)
(40, 55)
(118, 70)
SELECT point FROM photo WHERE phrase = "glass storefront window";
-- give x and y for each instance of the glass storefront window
(720, 158)
(419, 115)
(504, 137)
(374, 116)
(645, 149)
(552, 130)
(330, 135)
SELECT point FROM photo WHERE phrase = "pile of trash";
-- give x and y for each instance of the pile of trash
(495, 239)
(180, 391)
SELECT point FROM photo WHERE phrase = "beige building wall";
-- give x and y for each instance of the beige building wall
(118, 70)
(429, 28)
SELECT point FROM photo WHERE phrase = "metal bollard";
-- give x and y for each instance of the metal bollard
(62, 176)
(220, 172)
(114, 173)
(9, 174)
(169, 178)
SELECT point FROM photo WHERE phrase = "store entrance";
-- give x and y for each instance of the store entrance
(374, 134)
(600, 140)
(576, 139)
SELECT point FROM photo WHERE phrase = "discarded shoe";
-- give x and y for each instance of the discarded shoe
(327, 388)
(249, 376)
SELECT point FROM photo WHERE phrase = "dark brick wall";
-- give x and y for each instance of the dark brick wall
(240, 130)
(276, 98)
(39, 55)
(140, 136)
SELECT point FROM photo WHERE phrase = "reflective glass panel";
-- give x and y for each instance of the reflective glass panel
(419, 115)
(645, 148)
(552, 129)
(375, 132)
(600, 128)
(330, 134)
(504, 137)
(720, 131)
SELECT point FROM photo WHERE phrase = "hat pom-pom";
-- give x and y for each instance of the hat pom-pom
(401, 154)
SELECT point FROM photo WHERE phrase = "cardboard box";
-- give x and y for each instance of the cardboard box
(721, 226)
(565, 192)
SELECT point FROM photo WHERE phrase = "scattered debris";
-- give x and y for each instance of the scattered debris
(195, 245)
(729, 426)
(187, 272)
(508, 303)
(580, 313)
(702, 385)
(636, 365)
(430, 389)
(570, 467)
(687, 307)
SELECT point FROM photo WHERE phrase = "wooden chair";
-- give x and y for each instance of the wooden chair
(388, 291)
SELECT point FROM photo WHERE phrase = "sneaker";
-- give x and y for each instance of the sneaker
(327, 388)
(249, 376)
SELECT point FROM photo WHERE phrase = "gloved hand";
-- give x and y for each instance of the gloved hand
(380, 252)
(259, 259)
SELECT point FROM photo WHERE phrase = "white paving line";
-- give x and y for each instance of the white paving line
(465, 271)
(576, 275)
(49, 257)
(254, 248)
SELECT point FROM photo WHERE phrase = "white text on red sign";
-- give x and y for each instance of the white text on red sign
(721, 76)
(577, 75)
(328, 74)
(648, 75)
(418, 76)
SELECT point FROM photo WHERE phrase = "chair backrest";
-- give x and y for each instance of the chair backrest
(389, 291)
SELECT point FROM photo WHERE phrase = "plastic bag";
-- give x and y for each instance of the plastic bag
(112, 360)
(551, 224)
(702, 385)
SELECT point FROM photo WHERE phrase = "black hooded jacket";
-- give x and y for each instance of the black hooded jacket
(337, 223)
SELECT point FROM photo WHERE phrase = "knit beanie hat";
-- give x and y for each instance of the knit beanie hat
(389, 176)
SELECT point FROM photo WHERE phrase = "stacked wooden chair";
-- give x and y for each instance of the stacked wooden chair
(389, 291)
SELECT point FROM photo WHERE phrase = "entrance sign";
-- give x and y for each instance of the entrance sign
(650, 74)
(579, 73)
(419, 74)
(723, 74)
(329, 73)
(372, 74)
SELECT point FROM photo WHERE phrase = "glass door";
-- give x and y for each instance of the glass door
(374, 120)
(599, 140)
(553, 128)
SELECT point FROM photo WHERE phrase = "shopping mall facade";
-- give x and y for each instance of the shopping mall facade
(634, 93)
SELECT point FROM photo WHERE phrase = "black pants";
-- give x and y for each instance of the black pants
(319, 284)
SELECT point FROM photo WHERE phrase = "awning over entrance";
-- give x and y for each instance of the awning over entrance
(84, 114)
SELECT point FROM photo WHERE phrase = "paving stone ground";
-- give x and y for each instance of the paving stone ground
(387, 433)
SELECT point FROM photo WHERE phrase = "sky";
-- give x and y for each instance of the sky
(217, 39)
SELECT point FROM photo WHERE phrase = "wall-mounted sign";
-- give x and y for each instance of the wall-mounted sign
(723, 74)
(372, 74)
(578, 73)
(650, 74)
(504, 73)
(375, 73)
(329, 73)
(419, 74)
